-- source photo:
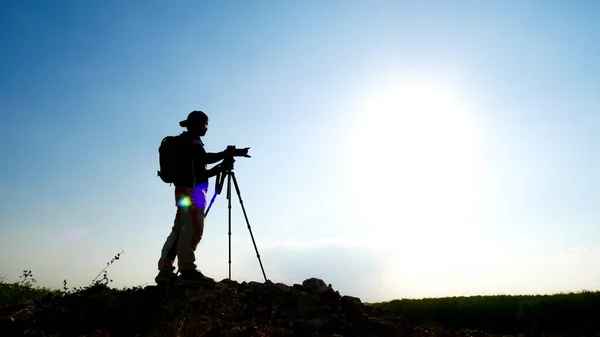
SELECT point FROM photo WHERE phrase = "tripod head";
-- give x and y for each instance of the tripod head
(227, 164)
(227, 168)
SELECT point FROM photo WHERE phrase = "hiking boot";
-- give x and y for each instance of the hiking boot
(193, 277)
(164, 275)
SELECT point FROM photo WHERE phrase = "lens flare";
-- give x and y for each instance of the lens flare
(184, 201)
(191, 197)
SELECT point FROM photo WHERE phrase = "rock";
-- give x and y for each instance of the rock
(281, 286)
(314, 286)
(349, 300)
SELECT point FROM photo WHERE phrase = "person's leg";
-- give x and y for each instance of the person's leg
(192, 228)
(171, 252)
(168, 252)
(187, 242)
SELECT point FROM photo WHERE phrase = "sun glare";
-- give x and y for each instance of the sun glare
(414, 162)
(415, 175)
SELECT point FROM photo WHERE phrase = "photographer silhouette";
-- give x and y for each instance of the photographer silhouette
(183, 162)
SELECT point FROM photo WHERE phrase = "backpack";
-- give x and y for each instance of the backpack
(168, 157)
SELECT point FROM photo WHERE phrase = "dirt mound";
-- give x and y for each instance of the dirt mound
(225, 308)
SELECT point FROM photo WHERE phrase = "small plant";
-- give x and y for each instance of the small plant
(27, 278)
(105, 280)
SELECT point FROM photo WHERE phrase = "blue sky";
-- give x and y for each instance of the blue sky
(399, 149)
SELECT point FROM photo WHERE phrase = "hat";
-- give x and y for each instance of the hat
(194, 117)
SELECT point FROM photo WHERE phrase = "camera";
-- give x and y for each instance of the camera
(232, 151)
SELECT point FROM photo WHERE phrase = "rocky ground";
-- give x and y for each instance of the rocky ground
(224, 308)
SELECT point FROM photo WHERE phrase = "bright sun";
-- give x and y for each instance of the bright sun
(415, 171)
(413, 160)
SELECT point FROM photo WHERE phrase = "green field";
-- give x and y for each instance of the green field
(566, 313)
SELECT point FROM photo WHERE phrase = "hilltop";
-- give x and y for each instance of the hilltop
(312, 308)
(225, 308)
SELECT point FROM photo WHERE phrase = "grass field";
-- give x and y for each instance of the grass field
(573, 313)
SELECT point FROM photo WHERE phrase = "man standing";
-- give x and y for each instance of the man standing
(191, 186)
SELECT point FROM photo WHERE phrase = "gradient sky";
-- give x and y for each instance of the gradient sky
(400, 149)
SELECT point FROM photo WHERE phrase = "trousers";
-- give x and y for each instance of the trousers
(187, 230)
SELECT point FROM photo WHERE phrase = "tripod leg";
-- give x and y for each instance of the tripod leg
(211, 203)
(219, 179)
(249, 228)
(229, 206)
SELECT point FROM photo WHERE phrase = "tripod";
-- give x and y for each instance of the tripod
(220, 180)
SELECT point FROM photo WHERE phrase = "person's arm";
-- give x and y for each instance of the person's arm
(213, 157)
(207, 157)
(230, 151)
(222, 167)
(213, 171)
